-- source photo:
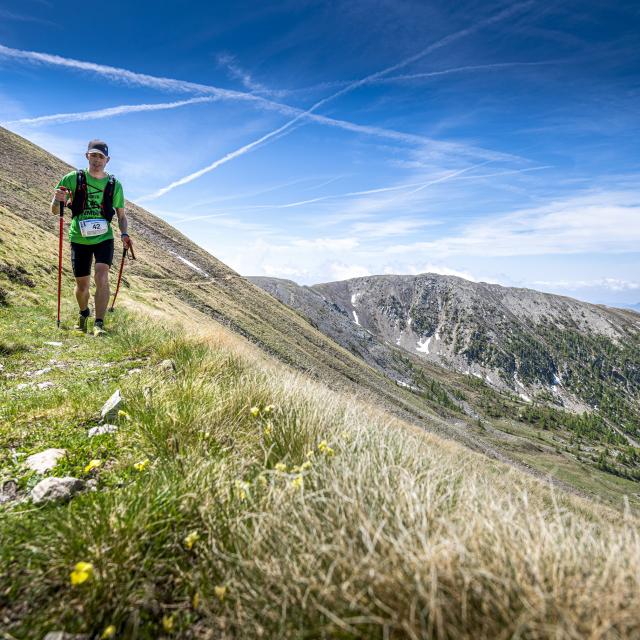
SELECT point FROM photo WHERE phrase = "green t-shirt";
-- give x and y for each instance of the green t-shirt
(91, 218)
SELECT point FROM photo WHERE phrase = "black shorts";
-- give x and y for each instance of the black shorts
(82, 256)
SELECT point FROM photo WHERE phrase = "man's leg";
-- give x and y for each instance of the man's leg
(102, 289)
(82, 292)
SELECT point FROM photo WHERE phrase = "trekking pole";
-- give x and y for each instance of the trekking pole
(124, 254)
(60, 259)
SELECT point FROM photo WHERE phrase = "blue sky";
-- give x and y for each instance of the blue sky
(318, 141)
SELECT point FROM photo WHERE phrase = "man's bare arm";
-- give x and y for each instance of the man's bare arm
(123, 223)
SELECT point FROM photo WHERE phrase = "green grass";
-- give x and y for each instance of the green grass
(310, 515)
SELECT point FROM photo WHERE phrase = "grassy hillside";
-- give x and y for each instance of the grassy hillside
(238, 499)
(241, 498)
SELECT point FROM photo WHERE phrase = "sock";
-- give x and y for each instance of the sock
(99, 321)
(85, 313)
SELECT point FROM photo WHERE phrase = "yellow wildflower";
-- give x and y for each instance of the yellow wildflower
(268, 430)
(123, 414)
(323, 447)
(142, 465)
(281, 467)
(297, 482)
(82, 572)
(241, 488)
(220, 591)
(191, 539)
(94, 464)
(269, 409)
(109, 632)
(263, 481)
(305, 466)
(309, 454)
(255, 411)
(296, 469)
(167, 623)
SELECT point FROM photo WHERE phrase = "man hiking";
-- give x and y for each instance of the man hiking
(94, 198)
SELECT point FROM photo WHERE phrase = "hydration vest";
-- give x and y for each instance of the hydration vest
(79, 200)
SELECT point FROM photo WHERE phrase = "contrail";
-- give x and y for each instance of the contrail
(183, 86)
(354, 85)
(457, 175)
(110, 112)
(474, 67)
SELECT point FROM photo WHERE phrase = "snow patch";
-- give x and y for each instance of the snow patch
(354, 298)
(355, 317)
(190, 264)
(400, 383)
(556, 380)
(515, 378)
(423, 346)
(409, 322)
(525, 397)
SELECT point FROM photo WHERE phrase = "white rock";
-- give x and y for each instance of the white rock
(102, 429)
(110, 409)
(54, 344)
(45, 385)
(167, 365)
(45, 460)
(41, 372)
(56, 489)
(133, 371)
(22, 385)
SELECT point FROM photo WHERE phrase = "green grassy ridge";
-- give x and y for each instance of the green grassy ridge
(374, 540)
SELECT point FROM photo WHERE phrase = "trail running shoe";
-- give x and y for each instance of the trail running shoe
(98, 330)
(81, 323)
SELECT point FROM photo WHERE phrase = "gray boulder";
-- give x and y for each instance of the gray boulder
(101, 430)
(45, 460)
(56, 489)
(111, 406)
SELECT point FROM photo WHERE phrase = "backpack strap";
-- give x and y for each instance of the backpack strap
(107, 199)
(79, 198)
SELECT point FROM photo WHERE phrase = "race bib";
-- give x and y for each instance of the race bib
(90, 228)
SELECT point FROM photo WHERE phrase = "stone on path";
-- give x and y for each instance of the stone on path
(8, 491)
(110, 409)
(56, 489)
(167, 365)
(45, 460)
(102, 429)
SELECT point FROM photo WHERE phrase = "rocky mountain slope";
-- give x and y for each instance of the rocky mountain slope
(559, 350)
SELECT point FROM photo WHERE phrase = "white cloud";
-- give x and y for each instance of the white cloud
(596, 221)
(343, 271)
(327, 244)
(612, 284)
